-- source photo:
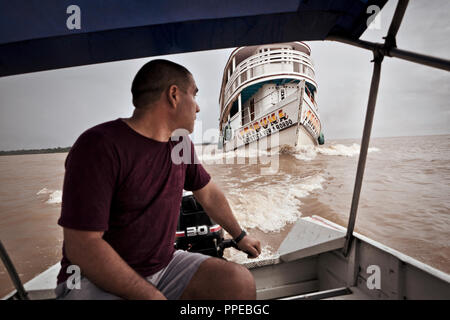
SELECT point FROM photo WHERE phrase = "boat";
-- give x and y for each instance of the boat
(269, 97)
(318, 259)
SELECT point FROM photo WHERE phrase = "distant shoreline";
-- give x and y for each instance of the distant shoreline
(34, 151)
(52, 150)
(67, 149)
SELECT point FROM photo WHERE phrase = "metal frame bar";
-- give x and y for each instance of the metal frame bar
(378, 59)
(379, 51)
(396, 22)
(394, 52)
(434, 62)
(21, 293)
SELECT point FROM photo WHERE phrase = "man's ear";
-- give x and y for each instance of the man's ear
(172, 95)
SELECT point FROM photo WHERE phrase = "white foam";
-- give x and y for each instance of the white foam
(43, 191)
(342, 150)
(249, 179)
(55, 196)
(308, 153)
(269, 207)
(210, 154)
(241, 257)
(305, 153)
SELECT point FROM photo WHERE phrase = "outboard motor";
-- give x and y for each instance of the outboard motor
(196, 232)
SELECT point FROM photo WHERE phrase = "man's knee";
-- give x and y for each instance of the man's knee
(241, 281)
(220, 279)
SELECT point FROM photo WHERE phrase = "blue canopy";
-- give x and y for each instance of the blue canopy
(38, 35)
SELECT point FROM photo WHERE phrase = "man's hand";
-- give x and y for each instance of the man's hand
(251, 246)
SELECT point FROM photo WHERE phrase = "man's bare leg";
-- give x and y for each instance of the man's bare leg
(220, 280)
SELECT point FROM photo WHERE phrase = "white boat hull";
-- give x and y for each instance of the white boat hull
(310, 265)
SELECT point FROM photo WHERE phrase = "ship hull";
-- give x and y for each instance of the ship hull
(288, 124)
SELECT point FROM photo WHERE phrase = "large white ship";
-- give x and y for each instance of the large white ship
(318, 259)
(268, 94)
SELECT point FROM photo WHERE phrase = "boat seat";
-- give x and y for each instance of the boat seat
(310, 236)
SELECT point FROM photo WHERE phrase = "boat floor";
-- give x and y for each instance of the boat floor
(352, 293)
(356, 294)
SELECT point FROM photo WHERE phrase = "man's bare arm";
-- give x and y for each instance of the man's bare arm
(216, 206)
(102, 265)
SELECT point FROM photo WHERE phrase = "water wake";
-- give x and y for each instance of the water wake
(212, 155)
(267, 252)
(270, 207)
(55, 196)
(309, 153)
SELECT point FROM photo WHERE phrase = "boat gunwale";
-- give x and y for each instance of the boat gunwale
(385, 248)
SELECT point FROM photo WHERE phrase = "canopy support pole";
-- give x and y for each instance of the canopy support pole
(379, 51)
(21, 293)
(378, 59)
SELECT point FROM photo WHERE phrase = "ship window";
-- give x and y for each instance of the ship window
(234, 109)
(252, 109)
(307, 91)
(282, 93)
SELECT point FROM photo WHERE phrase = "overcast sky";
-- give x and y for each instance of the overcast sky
(52, 108)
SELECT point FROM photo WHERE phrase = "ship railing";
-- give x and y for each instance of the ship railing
(247, 71)
(310, 97)
(248, 118)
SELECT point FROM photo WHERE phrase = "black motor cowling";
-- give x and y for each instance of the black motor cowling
(196, 232)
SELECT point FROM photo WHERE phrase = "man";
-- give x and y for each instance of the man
(121, 199)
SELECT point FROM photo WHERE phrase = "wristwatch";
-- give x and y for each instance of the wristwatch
(240, 237)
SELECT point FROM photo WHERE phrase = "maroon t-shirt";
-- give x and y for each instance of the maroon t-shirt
(125, 184)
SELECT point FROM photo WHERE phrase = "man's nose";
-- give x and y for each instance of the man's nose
(197, 109)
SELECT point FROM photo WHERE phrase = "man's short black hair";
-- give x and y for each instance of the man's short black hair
(154, 77)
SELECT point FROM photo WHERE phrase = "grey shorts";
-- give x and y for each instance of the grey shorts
(171, 280)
